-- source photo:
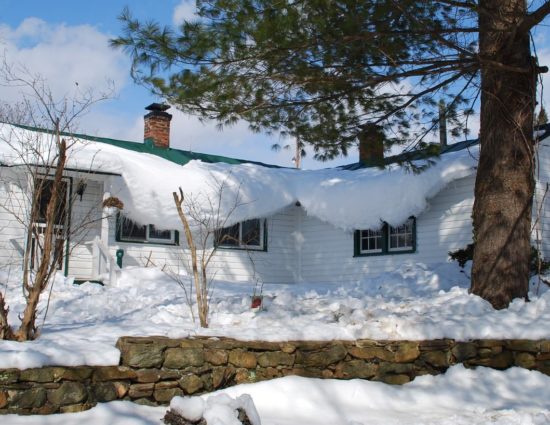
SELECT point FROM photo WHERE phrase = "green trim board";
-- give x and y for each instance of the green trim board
(182, 157)
(433, 151)
(384, 249)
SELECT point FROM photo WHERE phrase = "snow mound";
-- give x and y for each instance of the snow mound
(460, 396)
(218, 409)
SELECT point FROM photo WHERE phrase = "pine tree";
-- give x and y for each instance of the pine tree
(324, 70)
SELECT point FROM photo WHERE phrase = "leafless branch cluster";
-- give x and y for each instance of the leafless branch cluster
(202, 219)
(38, 201)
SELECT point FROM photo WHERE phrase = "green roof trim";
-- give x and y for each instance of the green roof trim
(433, 151)
(182, 157)
(176, 156)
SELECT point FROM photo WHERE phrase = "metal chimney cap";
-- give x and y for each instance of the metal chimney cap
(158, 107)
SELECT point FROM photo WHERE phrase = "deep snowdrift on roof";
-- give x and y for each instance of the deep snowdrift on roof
(346, 199)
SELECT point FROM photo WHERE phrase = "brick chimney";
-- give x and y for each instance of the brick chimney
(157, 125)
(371, 145)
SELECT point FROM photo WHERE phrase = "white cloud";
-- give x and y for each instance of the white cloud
(184, 11)
(63, 55)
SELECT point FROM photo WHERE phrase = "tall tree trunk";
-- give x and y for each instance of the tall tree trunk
(504, 183)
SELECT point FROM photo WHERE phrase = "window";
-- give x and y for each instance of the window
(387, 240)
(43, 191)
(249, 234)
(130, 231)
(161, 236)
(44, 195)
(371, 241)
(401, 237)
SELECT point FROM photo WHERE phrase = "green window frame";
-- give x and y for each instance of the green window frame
(143, 233)
(249, 235)
(387, 240)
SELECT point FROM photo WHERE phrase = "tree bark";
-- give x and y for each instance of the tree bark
(505, 177)
(5, 329)
(201, 300)
(27, 330)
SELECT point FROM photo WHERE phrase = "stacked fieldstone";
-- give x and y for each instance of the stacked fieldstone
(155, 369)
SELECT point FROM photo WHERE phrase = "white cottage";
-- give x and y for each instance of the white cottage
(280, 225)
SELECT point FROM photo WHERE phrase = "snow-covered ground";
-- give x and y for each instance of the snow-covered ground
(413, 302)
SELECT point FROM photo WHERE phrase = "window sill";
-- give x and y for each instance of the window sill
(388, 253)
(241, 248)
(147, 242)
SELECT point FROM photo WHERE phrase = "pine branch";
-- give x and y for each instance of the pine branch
(534, 18)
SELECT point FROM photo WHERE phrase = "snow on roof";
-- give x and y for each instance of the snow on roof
(348, 199)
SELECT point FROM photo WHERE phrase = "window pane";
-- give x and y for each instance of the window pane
(130, 230)
(159, 234)
(251, 232)
(401, 237)
(228, 236)
(45, 188)
(371, 240)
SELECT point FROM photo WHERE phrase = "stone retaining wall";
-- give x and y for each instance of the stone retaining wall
(154, 369)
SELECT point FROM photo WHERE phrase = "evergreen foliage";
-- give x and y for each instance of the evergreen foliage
(319, 70)
(537, 265)
(327, 71)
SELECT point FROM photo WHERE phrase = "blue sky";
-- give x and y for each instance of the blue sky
(67, 42)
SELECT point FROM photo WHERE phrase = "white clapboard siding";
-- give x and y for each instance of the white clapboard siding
(446, 225)
(541, 204)
(13, 208)
(142, 254)
(300, 248)
(276, 265)
(14, 201)
(85, 227)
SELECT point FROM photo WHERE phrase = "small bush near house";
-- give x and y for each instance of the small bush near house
(538, 264)
(462, 255)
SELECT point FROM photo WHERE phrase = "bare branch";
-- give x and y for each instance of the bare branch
(534, 18)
